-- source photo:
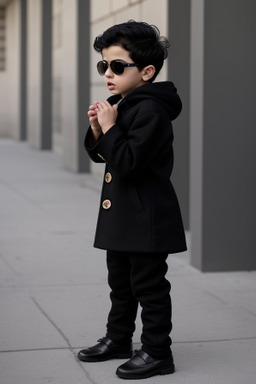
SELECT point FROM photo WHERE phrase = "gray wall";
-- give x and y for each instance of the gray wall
(223, 191)
(212, 62)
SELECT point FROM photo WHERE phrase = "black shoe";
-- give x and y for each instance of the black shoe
(141, 366)
(106, 349)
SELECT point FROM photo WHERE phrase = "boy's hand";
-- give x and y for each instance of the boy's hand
(93, 119)
(107, 115)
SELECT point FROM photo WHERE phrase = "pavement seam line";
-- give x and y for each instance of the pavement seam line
(35, 350)
(214, 341)
(70, 348)
(174, 343)
(8, 265)
(19, 193)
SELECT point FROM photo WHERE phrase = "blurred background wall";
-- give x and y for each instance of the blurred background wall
(48, 78)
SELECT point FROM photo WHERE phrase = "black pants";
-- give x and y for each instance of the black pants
(139, 278)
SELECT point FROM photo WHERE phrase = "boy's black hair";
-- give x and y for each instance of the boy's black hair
(142, 40)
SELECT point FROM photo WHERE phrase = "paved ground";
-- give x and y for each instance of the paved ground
(54, 295)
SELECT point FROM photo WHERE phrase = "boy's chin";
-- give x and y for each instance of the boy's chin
(115, 92)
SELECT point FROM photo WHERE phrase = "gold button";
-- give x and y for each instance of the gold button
(108, 177)
(106, 204)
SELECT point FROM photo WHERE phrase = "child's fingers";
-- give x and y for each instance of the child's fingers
(93, 106)
(104, 104)
(92, 113)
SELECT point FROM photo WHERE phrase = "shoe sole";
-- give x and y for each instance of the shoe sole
(109, 357)
(157, 371)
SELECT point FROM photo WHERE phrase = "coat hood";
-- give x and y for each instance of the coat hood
(164, 93)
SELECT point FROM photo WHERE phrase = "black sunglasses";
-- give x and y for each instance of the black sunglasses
(117, 66)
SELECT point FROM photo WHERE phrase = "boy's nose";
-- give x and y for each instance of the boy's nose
(109, 73)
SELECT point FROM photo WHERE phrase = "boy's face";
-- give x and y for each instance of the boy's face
(131, 78)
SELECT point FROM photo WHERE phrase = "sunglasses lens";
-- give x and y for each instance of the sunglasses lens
(117, 67)
(102, 66)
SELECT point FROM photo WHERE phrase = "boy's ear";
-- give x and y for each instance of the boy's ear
(148, 72)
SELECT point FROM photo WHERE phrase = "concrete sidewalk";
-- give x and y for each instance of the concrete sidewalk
(54, 294)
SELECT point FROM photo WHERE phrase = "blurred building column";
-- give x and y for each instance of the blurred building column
(23, 71)
(179, 73)
(75, 82)
(12, 59)
(39, 74)
(223, 135)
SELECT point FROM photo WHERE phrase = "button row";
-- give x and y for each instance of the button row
(107, 203)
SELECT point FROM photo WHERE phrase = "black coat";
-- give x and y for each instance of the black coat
(139, 210)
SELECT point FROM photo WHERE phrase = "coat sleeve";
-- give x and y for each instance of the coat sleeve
(91, 147)
(129, 153)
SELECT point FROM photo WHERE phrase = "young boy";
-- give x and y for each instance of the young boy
(139, 220)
